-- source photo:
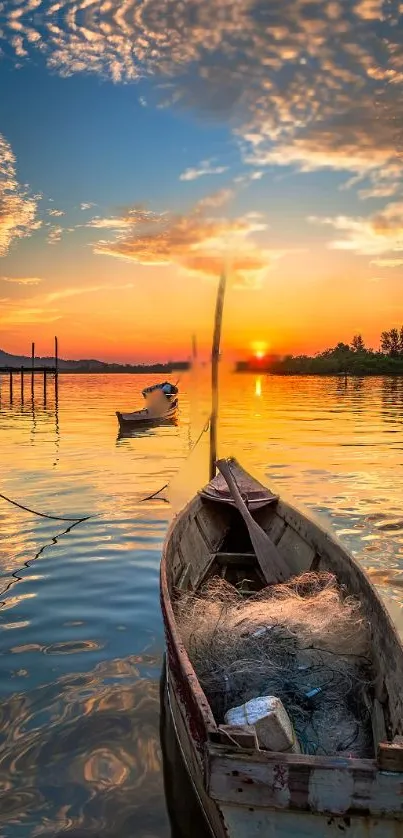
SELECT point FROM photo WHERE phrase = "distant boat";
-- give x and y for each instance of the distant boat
(161, 407)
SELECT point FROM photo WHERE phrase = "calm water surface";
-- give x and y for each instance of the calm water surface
(81, 638)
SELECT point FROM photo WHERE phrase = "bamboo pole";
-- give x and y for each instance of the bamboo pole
(22, 385)
(32, 367)
(11, 386)
(56, 356)
(215, 357)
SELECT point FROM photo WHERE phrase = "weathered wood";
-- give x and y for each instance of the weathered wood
(244, 559)
(378, 723)
(56, 355)
(282, 781)
(218, 492)
(195, 765)
(258, 822)
(22, 384)
(185, 579)
(197, 551)
(273, 566)
(243, 736)
(275, 790)
(213, 521)
(11, 387)
(215, 357)
(297, 553)
(390, 755)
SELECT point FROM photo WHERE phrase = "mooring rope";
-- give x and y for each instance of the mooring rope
(42, 514)
(153, 496)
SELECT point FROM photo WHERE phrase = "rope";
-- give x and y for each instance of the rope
(155, 494)
(42, 514)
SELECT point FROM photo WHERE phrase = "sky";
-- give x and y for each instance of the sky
(147, 145)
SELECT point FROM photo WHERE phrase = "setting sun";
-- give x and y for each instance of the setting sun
(259, 348)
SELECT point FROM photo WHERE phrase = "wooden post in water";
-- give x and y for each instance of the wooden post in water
(22, 385)
(215, 357)
(32, 367)
(11, 386)
(44, 386)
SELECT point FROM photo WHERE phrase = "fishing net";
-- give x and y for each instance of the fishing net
(300, 641)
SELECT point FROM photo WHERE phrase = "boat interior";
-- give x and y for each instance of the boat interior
(211, 539)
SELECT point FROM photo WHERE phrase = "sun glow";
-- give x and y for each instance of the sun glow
(259, 349)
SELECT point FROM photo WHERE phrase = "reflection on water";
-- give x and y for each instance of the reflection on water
(81, 638)
(82, 754)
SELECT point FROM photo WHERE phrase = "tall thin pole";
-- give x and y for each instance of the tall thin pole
(32, 367)
(56, 356)
(215, 357)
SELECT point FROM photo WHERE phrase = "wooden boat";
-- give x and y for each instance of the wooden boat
(250, 793)
(155, 413)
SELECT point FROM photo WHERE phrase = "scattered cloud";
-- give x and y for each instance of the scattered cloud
(25, 316)
(375, 235)
(205, 168)
(387, 263)
(197, 243)
(21, 280)
(87, 205)
(18, 209)
(217, 199)
(306, 85)
(66, 293)
(56, 213)
(109, 223)
(55, 235)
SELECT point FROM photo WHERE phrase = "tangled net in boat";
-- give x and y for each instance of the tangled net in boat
(300, 641)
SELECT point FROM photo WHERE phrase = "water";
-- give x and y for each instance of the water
(81, 639)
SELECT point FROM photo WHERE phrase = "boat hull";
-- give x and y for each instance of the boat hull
(142, 419)
(249, 793)
(230, 820)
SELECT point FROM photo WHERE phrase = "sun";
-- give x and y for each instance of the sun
(259, 348)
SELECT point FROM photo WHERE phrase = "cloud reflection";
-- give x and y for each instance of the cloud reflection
(89, 739)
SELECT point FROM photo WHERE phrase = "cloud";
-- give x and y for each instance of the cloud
(205, 168)
(217, 199)
(197, 242)
(21, 280)
(86, 205)
(109, 223)
(55, 235)
(66, 293)
(387, 263)
(25, 316)
(308, 85)
(56, 213)
(376, 235)
(18, 209)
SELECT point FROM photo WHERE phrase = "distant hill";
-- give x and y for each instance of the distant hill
(91, 365)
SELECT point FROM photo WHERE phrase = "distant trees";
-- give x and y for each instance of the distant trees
(392, 343)
(357, 344)
(354, 359)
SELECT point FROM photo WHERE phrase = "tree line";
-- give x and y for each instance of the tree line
(354, 358)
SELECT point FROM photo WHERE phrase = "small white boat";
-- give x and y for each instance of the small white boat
(162, 407)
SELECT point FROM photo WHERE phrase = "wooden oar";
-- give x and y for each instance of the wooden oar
(273, 566)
